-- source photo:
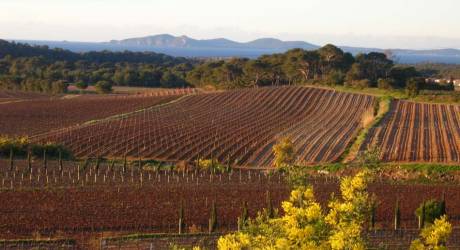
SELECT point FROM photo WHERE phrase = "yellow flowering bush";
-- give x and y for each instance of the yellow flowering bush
(284, 152)
(306, 226)
(205, 164)
(348, 215)
(435, 236)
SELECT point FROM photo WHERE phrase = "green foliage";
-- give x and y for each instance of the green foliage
(386, 83)
(370, 158)
(433, 210)
(181, 217)
(40, 69)
(81, 85)
(211, 165)
(439, 70)
(103, 87)
(359, 84)
(244, 217)
(20, 146)
(212, 226)
(413, 87)
(335, 77)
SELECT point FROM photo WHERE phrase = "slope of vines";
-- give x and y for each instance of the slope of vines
(31, 117)
(419, 132)
(238, 126)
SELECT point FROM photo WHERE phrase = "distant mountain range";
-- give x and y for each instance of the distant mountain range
(188, 47)
(169, 41)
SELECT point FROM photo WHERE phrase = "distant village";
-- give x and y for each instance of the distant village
(455, 82)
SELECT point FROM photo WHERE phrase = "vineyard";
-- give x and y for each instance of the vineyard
(238, 127)
(417, 132)
(83, 197)
(34, 116)
(137, 162)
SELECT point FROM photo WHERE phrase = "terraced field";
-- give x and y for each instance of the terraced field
(239, 126)
(418, 132)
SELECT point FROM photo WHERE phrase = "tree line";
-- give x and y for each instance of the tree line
(41, 69)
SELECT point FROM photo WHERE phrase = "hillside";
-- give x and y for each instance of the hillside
(234, 126)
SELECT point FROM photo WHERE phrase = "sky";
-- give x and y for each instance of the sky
(416, 24)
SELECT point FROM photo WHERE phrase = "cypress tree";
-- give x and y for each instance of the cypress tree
(397, 222)
(421, 218)
(373, 212)
(45, 161)
(11, 159)
(181, 217)
(98, 159)
(124, 164)
(242, 220)
(60, 160)
(443, 204)
(213, 218)
(270, 212)
(29, 160)
(112, 164)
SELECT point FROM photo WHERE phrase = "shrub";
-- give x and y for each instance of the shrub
(81, 85)
(284, 152)
(433, 210)
(103, 87)
(336, 77)
(434, 236)
(413, 86)
(305, 225)
(20, 146)
(359, 84)
(387, 83)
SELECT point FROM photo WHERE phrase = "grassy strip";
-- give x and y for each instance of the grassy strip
(425, 96)
(131, 237)
(426, 167)
(34, 241)
(125, 115)
(351, 152)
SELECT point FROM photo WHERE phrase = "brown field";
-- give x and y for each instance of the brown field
(34, 116)
(106, 200)
(238, 126)
(417, 132)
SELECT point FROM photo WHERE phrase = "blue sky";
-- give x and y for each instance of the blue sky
(371, 23)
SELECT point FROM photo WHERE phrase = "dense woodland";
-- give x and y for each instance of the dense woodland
(41, 69)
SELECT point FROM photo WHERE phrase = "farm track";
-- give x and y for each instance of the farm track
(234, 126)
(39, 115)
(418, 132)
